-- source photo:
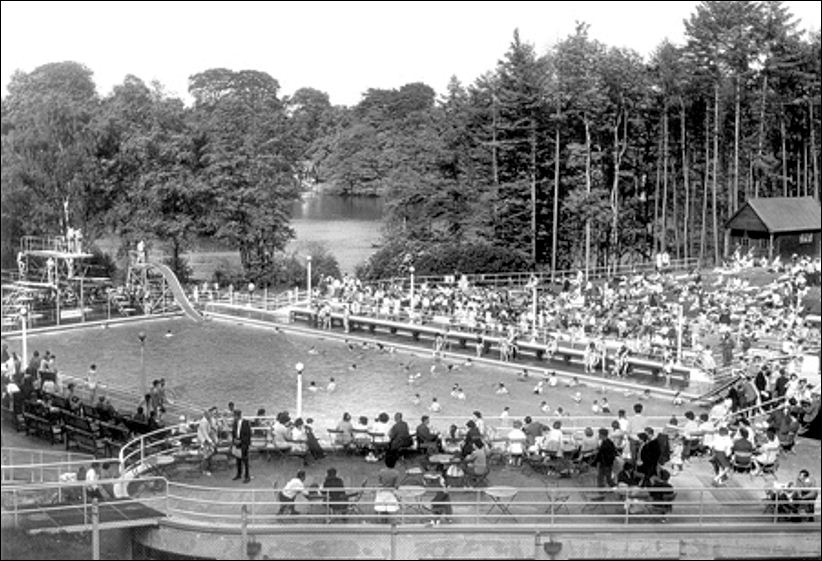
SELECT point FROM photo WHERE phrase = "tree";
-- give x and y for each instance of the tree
(48, 154)
(247, 161)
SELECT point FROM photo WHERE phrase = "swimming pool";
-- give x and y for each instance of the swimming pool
(214, 362)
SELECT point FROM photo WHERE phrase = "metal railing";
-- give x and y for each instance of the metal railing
(19, 500)
(47, 472)
(417, 504)
(519, 278)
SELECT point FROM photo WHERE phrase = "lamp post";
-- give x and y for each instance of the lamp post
(308, 260)
(411, 270)
(534, 306)
(680, 325)
(299, 366)
(24, 321)
(142, 337)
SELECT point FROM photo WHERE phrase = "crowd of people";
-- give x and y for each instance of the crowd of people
(641, 311)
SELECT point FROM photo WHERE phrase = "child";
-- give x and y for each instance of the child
(435, 406)
(416, 399)
(552, 380)
(312, 387)
(539, 387)
(595, 409)
(645, 395)
(604, 406)
(501, 389)
(677, 446)
(544, 407)
(577, 398)
(678, 401)
(503, 417)
(332, 385)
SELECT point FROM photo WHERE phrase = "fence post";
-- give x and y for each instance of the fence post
(243, 533)
(95, 530)
(393, 540)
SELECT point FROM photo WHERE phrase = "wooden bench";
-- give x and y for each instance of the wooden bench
(114, 436)
(41, 422)
(83, 435)
(308, 316)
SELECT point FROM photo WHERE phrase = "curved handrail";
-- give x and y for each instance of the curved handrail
(176, 289)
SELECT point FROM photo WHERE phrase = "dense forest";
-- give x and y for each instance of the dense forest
(584, 154)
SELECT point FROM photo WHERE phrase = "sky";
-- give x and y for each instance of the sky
(341, 48)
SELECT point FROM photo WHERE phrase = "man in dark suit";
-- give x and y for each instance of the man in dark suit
(650, 454)
(241, 433)
(399, 436)
(427, 441)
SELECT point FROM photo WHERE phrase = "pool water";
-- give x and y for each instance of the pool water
(214, 362)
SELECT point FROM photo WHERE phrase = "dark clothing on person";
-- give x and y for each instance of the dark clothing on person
(242, 439)
(604, 461)
(399, 436)
(650, 455)
(426, 440)
(313, 444)
(335, 493)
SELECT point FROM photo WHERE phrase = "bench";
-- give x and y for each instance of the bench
(83, 435)
(114, 436)
(304, 315)
(41, 422)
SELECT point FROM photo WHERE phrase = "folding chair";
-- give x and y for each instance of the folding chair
(742, 462)
(355, 499)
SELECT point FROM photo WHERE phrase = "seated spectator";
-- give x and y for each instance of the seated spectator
(381, 428)
(297, 437)
(399, 436)
(280, 432)
(516, 444)
(427, 440)
(334, 490)
(768, 452)
(476, 462)
(628, 476)
(589, 443)
(804, 495)
(346, 435)
(661, 493)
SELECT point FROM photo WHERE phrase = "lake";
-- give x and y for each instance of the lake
(348, 226)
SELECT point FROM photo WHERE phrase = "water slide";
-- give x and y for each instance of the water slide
(176, 289)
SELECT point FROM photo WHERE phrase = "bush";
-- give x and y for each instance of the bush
(289, 270)
(181, 268)
(442, 259)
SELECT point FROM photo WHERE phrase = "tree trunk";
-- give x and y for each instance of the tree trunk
(494, 164)
(556, 200)
(619, 153)
(588, 192)
(760, 140)
(656, 193)
(533, 193)
(664, 234)
(675, 211)
(784, 155)
(706, 179)
(807, 185)
(716, 166)
(685, 177)
(735, 196)
(814, 156)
